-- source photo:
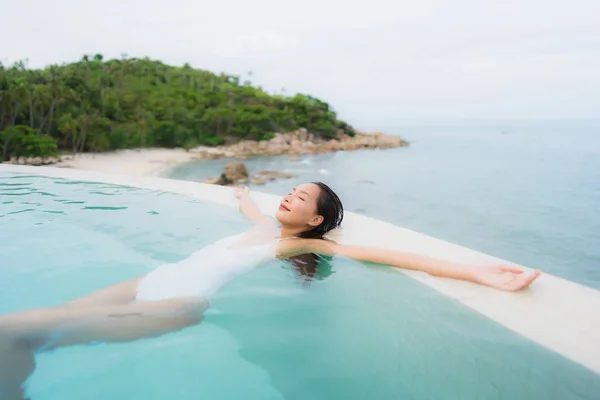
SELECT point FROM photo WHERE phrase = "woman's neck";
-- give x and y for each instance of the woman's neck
(289, 232)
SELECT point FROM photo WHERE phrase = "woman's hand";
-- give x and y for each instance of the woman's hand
(241, 192)
(504, 277)
(247, 205)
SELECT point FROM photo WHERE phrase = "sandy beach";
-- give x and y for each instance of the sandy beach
(138, 162)
(155, 161)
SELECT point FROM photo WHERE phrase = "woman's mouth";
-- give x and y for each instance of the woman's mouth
(283, 208)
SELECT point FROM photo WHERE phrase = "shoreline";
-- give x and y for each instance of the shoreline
(150, 162)
(156, 162)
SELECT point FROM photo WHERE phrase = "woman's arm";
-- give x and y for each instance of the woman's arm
(248, 207)
(502, 277)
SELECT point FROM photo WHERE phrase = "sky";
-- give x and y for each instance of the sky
(376, 62)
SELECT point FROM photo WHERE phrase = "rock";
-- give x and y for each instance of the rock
(301, 142)
(267, 176)
(204, 155)
(235, 173)
(258, 181)
(278, 140)
(34, 161)
(212, 181)
(272, 175)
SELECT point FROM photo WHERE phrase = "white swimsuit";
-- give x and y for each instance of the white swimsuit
(205, 271)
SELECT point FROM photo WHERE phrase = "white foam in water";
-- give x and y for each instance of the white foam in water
(323, 171)
(556, 313)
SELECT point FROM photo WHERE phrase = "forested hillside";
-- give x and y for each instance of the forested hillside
(97, 105)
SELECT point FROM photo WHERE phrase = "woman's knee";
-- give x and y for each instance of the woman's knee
(192, 305)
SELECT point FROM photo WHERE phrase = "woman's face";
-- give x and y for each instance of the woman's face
(299, 208)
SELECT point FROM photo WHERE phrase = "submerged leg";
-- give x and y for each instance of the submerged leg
(16, 364)
(68, 325)
(119, 293)
(37, 330)
(17, 341)
(132, 321)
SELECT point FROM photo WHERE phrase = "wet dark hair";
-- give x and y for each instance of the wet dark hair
(330, 207)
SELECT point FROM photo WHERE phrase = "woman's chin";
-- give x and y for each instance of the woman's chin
(283, 217)
(279, 216)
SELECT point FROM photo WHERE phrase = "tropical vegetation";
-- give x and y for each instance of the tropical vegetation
(99, 105)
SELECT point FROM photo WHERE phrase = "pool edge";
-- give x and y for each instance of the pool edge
(555, 313)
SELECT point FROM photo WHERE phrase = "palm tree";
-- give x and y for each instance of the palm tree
(12, 100)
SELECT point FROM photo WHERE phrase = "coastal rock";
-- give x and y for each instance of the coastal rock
(209, 155)
(236, 173)
(212, 181)
(266, 176)
(34, 160)
(276, 175)
(301, 142)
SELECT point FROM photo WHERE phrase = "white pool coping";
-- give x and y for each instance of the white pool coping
(559, 314)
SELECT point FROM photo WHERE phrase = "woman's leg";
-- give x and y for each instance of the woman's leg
(119, 293)
(41, 320)
(16, 364)
(18, 341)
(24, 333)
(69, 325)
(123, 323)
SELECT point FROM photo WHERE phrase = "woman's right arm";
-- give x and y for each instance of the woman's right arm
(248, 207)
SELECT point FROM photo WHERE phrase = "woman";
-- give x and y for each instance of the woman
(174, 296)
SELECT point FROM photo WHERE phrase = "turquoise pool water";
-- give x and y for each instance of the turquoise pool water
(359, 332)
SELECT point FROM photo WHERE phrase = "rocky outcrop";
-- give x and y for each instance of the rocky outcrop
(34, 160)
(293, 144)
(236, 173)
(300, 142)
(267, 176)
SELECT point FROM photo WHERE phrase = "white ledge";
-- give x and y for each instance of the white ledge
(559, 314)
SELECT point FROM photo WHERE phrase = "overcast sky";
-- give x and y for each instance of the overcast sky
(377, 62)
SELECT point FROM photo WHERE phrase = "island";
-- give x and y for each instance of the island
(96, 109)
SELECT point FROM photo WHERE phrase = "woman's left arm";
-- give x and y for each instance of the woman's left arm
(248, 207)
(503, 277)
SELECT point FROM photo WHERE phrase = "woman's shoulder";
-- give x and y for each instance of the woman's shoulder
(297, 246)
(287, 248)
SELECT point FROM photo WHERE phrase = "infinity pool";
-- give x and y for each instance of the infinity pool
(356, 332)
